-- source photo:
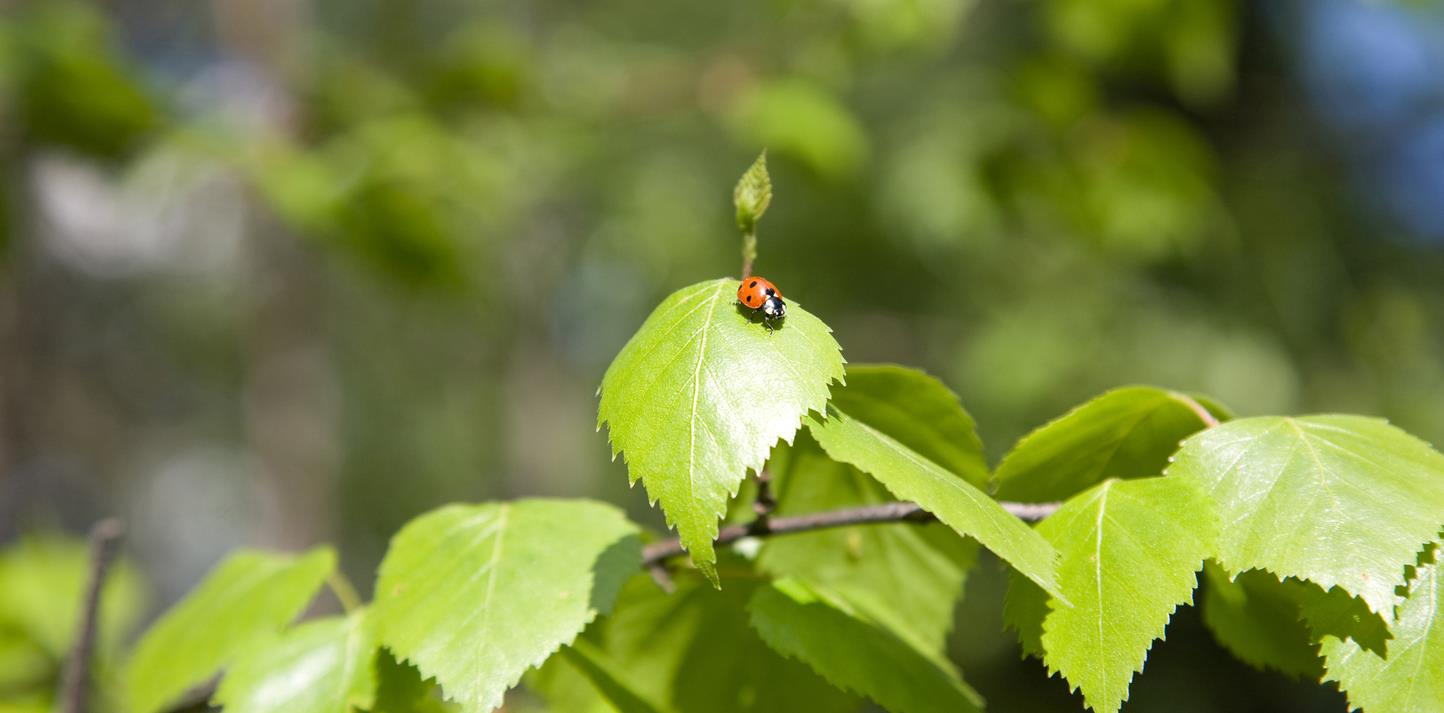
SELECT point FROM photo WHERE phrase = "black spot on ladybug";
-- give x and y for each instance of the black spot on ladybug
(752, 283)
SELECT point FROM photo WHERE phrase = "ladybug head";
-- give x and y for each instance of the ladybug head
(773, 308)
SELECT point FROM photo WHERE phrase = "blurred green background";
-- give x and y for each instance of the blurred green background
(278, 272)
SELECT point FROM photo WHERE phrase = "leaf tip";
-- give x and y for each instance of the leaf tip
(708, 570)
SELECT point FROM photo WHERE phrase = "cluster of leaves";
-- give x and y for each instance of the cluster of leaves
(1321, 525)
(1325, 567)
(1318, 536)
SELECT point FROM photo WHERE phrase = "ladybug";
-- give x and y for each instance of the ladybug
(758, 294)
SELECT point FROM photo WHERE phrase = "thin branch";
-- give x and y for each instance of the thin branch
(661, 576)
(657, 552)
(75, 685)
(763, 504)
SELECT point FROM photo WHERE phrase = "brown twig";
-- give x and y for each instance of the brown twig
(655, 554)
(75, 684)
(763, 504)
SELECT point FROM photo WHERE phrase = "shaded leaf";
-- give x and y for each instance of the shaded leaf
(1024, 609)
(1411, 679)
(1130, 553)
(1278, 624)
(1340, 501)
(700, 395)
(917, 411)
(1335, 613)
(1125, 433)
(474, 595)
(593, 663)
(322, 666)
(565, 687)
(855, 653)
(907, 576)
(693, 651)
(1257, 620)
(400, 688)
(955, 501)
(249, 595)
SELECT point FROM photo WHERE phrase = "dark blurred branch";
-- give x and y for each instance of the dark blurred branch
(655, 554)
(75, 685)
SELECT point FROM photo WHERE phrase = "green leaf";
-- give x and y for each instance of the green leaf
(1125, 433)
(593, 663)
(1411, 679)
(956, 502)
(700, 395)
(907, 576)
(24, 664)
(917, 411)
(752, 195)
(1340, 501)
(693, 651)
(249, 595)
(42, 585)
(1278, 624)
(1130, 551)
(1335, 613)
(855, 653)
(565, 687)
(400, 688)
(474, 595)
(322, 666)
(1024, 609)
(1257, 620)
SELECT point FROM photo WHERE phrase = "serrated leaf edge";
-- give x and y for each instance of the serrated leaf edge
(591, 616)
(1142, 663)
(1143, 660)
(1403, 578)
(500, 698)
(753, 462)
(1247, 657)
(1338, 684)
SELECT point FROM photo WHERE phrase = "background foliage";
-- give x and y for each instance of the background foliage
(281, 273)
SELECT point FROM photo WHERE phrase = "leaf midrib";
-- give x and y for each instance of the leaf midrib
(696, 391)
(1098, 574)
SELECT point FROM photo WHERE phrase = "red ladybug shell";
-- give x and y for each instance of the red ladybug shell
(755, 290)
